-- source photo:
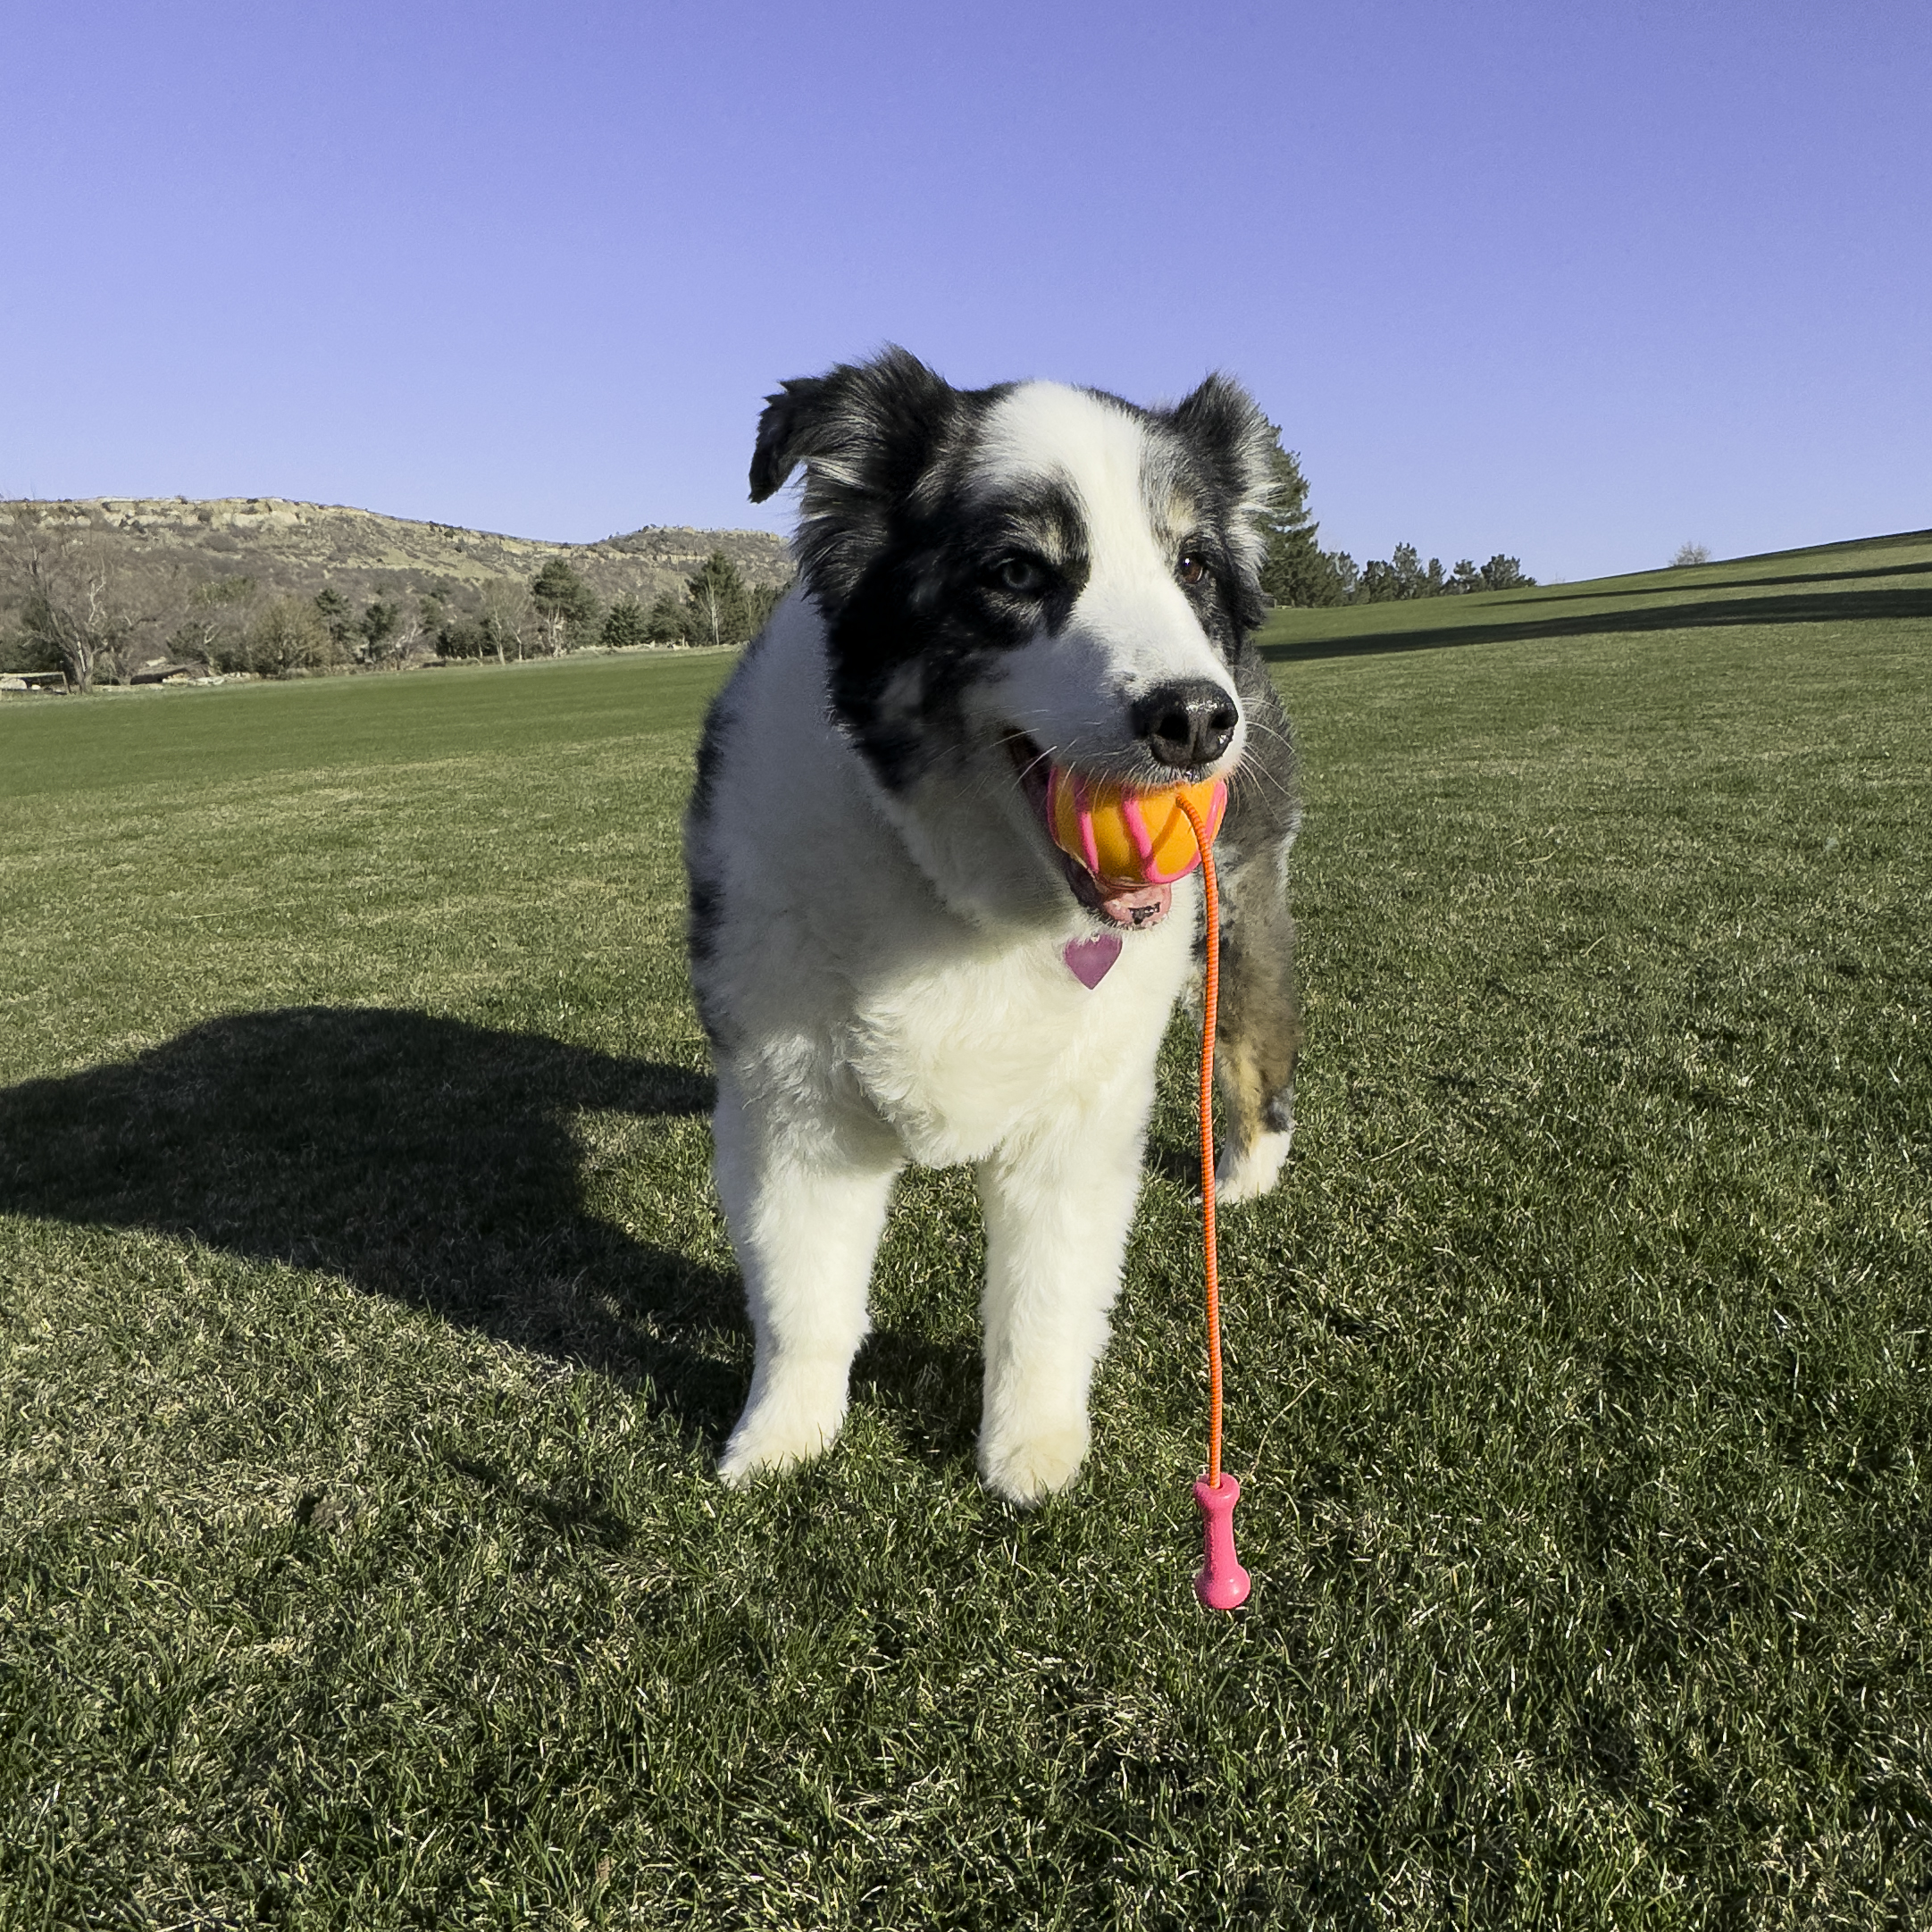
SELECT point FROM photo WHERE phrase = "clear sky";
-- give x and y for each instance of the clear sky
(1574, 281)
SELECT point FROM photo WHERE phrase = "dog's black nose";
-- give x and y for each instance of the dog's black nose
(1188, 724)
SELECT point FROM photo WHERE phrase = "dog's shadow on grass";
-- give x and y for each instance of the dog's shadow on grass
(927, 1386)
(426, 1159)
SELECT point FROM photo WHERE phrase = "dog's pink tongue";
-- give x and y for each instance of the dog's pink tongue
(1137, 907)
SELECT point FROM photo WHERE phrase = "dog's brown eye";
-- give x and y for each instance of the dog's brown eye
(1192, 568)
(1024, 576)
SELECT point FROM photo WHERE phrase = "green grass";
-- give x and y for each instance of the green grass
(367, 1328)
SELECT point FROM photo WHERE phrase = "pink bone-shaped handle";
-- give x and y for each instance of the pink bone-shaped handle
(1222, 1583)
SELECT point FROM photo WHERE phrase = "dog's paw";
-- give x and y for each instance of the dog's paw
(771, 1437)
(1247, 1173)
(1028, 1469)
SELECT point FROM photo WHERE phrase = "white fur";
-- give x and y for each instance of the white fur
(1250, 1173)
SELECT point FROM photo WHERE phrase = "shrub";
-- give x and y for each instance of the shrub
(290, 636)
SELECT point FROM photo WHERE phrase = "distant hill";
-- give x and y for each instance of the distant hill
(291, 549)
(265, 583)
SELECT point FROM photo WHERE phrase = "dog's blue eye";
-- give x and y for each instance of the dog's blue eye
(1023, 575)
(1192, 568)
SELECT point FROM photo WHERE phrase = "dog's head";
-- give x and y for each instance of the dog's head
(1023, 575)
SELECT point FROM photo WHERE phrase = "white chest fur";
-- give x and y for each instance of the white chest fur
(970, 1051)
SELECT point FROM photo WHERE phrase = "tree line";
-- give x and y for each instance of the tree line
(81, 613)
(1296, 570)
(558, 612)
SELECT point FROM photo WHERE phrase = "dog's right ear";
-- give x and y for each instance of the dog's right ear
(786, 431)
(850, 421)
(865, 433)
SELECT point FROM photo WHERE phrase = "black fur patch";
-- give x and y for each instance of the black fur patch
(706, 909)
(703, 921)
(930, 609)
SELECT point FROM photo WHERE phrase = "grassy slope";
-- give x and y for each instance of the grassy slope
(1886, 578)
(366, 1328)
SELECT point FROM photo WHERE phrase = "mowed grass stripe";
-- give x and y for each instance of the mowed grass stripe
(367, 1326)
(374, 841)
(464, 711)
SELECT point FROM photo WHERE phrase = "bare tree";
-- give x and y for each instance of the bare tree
(403, 640)
(72, 603)
(214, 621)
(721, 609)
(200, 638)
(507, 615)
(1689, 555)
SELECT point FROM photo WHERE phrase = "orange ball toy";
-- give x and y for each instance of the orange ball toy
(1125, 835)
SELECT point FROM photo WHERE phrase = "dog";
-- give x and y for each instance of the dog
(891, 959)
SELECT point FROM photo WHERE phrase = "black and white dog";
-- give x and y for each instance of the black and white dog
(884, 939)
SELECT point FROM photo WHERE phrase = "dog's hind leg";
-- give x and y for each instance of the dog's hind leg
(1058, 1206)
(1261, 1025)
(806, 1211)
(1259, 1031)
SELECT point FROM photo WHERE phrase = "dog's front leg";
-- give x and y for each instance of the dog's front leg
(1057, 1208)
(806, 1205)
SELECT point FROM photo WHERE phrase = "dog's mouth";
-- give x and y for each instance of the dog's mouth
(1130, 909)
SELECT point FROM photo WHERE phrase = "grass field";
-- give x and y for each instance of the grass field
(367, 1330)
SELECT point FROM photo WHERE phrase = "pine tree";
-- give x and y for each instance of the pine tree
(625, 625)
(565, 606)
(719, 603)
(333, 609)
(379, 623)
(1295, 568)
(668, 620)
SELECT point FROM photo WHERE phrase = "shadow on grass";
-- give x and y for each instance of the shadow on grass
(929, 1387)
(1827, 606)
(588, 1514)
(425, 1160)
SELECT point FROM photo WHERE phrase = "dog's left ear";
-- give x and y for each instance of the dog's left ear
(786, 433)
(1226, 426)
(1228, 434)
(848, 420)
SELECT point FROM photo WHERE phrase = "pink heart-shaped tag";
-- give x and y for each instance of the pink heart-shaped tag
(1089, 960)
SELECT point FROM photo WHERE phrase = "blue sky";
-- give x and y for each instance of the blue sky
(1578, 282)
